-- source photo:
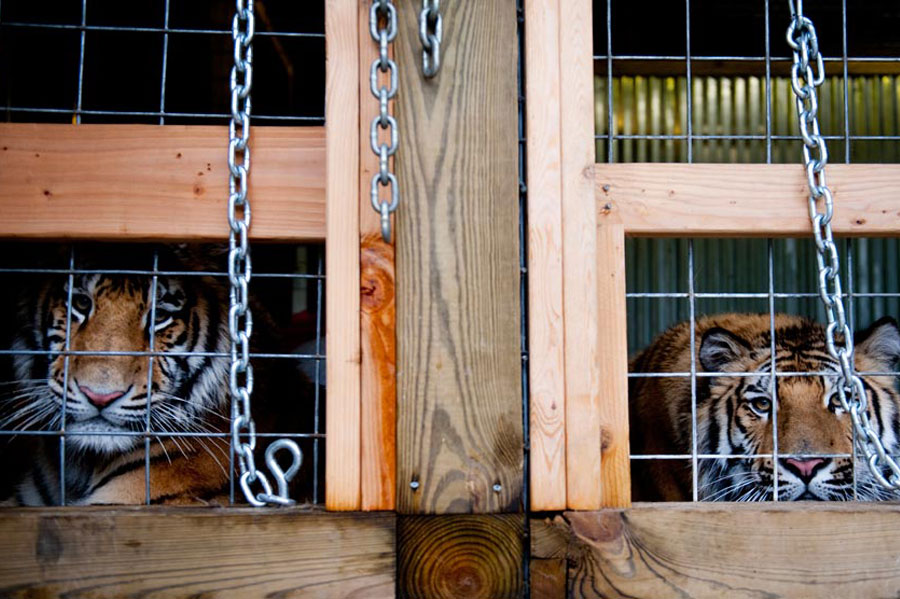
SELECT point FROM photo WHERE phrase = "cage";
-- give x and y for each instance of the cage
(575, 179)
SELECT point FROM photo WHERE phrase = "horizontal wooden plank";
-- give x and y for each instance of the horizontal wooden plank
(147, 182)
(743, 200)
(727, 550)
(195, 552)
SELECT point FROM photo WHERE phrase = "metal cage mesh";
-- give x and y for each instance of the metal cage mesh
(167, 62)
(701, 81)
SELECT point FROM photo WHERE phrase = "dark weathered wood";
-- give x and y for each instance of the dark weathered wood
(195, 552)
(736, 551)
(460, 557)
(459, 427)
(548, 579)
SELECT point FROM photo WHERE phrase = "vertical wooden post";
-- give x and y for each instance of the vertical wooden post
(546, 336)
(342, 443)
(613, 406)
(459, 421)
(583, 367)
(378, 386)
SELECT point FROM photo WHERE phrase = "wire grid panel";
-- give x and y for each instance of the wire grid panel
(167, 62)
(668, 98)
(92, 431)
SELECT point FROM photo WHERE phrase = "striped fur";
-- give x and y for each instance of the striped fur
(187, 394)
(734, 414)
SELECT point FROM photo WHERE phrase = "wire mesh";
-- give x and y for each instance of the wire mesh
(165, 62)
(701, 81)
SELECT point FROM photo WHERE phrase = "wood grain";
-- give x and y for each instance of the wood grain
(342, 314)
(460, 557)
(583, 368)
(735, 551)
(146, 182)
(379, 376)
(548, 579)
(743, 200)
(195, 552)
(459, 422)
(612, 408)
(546, 333)
(378, 386)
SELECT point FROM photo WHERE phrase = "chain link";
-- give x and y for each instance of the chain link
(808, 73)
(431, 33)
(383, 27)
(240, 318)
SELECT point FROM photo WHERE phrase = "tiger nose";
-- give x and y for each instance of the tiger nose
(804, 467)
(100, 399)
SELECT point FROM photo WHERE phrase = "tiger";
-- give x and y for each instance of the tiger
(734, 414)
(102, 401)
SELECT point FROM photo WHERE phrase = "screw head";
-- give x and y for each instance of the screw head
(414, 485)
(497, 487)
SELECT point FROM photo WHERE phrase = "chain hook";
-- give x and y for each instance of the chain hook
(240, 317)
(802, 38)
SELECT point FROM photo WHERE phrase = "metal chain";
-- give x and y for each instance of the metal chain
(801, 35)
(431, 32)
(240, 319)
(383, 27)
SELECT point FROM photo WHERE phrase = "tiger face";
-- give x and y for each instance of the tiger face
(120, 390)
(737, 415)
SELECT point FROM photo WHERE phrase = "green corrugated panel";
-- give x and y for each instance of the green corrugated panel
(737, 106)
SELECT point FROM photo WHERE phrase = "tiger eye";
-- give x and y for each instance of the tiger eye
(81, 303)
(761, 405)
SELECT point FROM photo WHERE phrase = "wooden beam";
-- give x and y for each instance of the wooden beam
(342, 314)
(378, 387)
(146, 182)
(583, 368)
(546, 333)
(548, 578)
(612, 409)
(743, 200)
(447, 557)
(727, 550)
(195, 552)
(459, 421)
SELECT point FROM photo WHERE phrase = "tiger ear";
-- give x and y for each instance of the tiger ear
(880, 342)
(719, 348)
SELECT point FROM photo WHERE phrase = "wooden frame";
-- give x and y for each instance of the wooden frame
(126, 182)
(719, 550)
(178, 552)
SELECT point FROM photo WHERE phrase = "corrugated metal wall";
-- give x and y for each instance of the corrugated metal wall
(735, 106)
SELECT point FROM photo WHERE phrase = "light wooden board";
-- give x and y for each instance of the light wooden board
(342, 315)
(743, 200)
(195, 552)
(146, 182)
(727, 550)
(378, 386)
(461, 556)
(583, 368)
(612, 408)
(459, 420)
(546, 334)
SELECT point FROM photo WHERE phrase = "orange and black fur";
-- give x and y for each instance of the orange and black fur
(734, 414)
(107, 398)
